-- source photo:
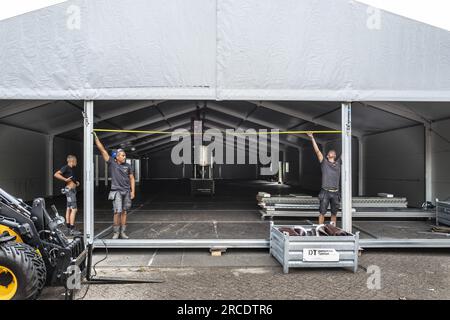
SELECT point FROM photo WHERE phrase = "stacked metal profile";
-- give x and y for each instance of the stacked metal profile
(301, 202)
(289, 250)
(443, 213)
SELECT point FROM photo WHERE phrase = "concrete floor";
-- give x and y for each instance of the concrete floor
(164, 209)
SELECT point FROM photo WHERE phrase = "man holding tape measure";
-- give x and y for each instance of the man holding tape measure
(122, 187)
(331, 173)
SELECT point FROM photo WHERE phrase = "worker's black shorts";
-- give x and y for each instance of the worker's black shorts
(327, 198)
(71, 197)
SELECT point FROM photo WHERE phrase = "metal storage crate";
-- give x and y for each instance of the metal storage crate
(289, 250)
(443, 213)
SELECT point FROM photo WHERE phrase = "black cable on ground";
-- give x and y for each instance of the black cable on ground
(95, 271)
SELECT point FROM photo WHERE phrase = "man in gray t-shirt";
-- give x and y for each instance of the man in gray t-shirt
(331, 174)
(122, 187)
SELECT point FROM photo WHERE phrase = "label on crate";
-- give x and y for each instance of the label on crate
(320, 255)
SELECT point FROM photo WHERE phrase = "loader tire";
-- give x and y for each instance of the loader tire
(22, 272)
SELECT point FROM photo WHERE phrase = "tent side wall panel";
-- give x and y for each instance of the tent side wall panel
(441, 160)
(23, 161)
(292, 157)
(395, 163)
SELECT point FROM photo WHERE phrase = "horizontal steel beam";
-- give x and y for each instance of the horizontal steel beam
(255, 243)
(362, 214)
(217, 121)
(297, 113)
(107, 115)
(155, 119)
(138, 136)
(244, 117)
(398, 110)
(21, 107)
(167, 141)
(147, 142)
(182, 243)
(404, 243)
(216, 124)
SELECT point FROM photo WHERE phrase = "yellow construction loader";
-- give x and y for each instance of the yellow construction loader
(34, 252)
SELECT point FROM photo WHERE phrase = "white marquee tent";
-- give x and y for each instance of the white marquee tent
(334, 50)
(270, 63)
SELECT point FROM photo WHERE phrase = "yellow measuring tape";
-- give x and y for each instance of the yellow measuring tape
(234, 133)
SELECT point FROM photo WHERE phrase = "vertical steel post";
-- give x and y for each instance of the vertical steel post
(347, 167)
(360, 166)
(281, 167)
(96, 171)
(49, 184)
(106, 174)
(428, 164)
(88, 205)
(300, 164)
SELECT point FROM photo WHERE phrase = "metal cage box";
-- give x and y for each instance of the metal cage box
(290, 251)
(443, 213)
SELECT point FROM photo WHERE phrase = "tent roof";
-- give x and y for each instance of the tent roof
(64, 118)
(261, 50)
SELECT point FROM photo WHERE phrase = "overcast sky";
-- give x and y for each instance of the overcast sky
(434, 12)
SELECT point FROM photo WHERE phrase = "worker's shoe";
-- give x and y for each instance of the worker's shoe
(123, 235)
(116, 233)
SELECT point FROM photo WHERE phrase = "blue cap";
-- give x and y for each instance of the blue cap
(116, 152)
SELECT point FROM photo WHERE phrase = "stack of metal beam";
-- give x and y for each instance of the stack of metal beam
(299, 205)
(302, 202)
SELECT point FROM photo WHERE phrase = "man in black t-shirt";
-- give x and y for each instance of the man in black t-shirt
(68, 175)
(122, 187)
(331, 174)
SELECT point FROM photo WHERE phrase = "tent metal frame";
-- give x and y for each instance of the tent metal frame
(346, 109)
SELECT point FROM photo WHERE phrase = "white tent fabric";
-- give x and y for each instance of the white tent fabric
(221, 50)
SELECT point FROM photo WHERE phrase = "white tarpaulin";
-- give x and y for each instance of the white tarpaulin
(225, 49)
